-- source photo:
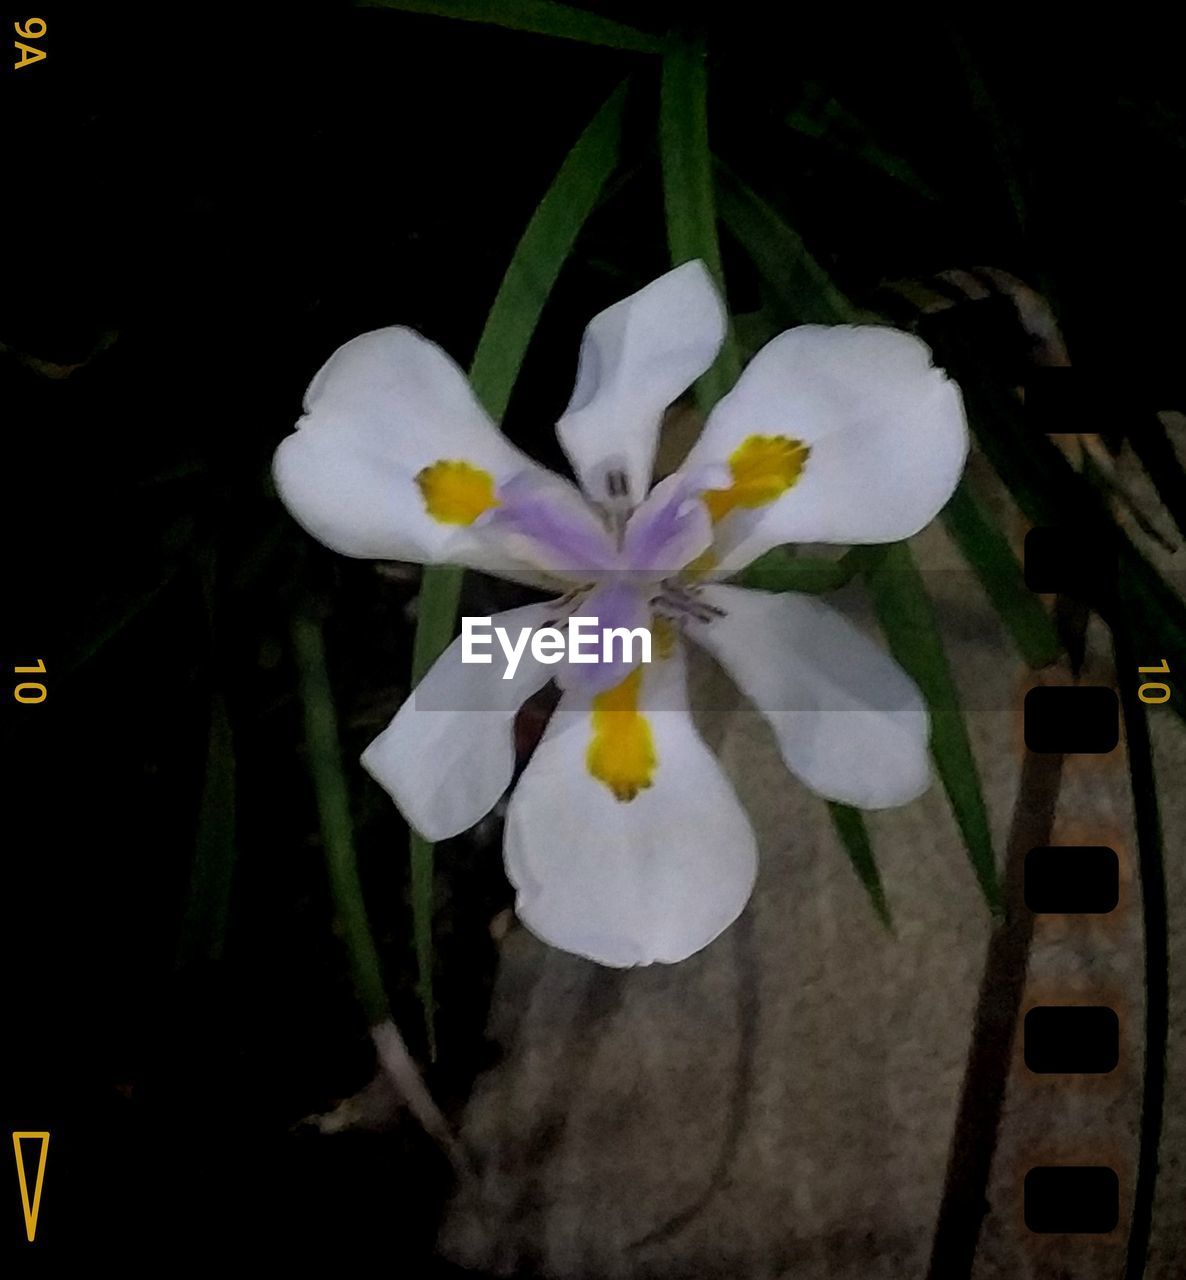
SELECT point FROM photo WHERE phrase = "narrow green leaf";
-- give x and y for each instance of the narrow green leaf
(803, 289)
(541, 252)
(780, 570)
(837, 127)
(207, 904)
(436, 612)
(991, 557)
(688, 191)
(854, 835)
(542, 17)
(333, 808)
(907, 617)
(996, 130)
(118, 616)
(1160, 460)
(440, 593)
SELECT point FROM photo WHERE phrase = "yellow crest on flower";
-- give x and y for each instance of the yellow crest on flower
(763, 468)
(622, 750)
(456, 492)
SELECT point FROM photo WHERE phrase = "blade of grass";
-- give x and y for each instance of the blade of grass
(854, 835)
(207, 903)
(541, 17)
(838, 128)
(333, 810)
(803, 289)
(995, 129)
(779, 570)
(688, 196)
(1160, 460)
(341, 860)
(987, 550)
(208, 898)
(542, 251)
(440, 593)
(907, 617)
(534, 267)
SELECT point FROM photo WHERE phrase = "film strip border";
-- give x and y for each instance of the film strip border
(1081, 1039)
(992, 330)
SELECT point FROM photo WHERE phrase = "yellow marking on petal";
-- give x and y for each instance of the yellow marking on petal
(663, 633)
(706, 561)
(622, 750)
(456, 492)
(764, 468)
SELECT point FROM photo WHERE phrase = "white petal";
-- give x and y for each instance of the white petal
(849, 721)
(636, 358)
(886, 432)
(624, 883)
(382, 408)
(449, 754)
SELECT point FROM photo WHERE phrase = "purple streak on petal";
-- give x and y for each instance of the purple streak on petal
(551, 524)
(670, 529)
(614, 604)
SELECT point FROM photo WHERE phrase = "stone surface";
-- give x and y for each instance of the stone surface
(782, 1104)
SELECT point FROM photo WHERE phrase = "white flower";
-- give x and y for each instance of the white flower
(624, 839)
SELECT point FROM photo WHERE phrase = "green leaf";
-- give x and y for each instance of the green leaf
(542, 17)
(837, 127)
(688, 191)
(333, 809)
(908, 619)
(541, 252)
(1151, 443)
(781, 570)
(987, 550)
(995, 129)
(208, 899)
(854, 835)
(207, 904)
(803, 289)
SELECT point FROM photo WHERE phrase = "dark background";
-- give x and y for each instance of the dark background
(200, 206)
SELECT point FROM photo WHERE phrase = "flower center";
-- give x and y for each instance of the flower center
(763, 468)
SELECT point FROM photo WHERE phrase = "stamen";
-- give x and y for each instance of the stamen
(685, 601)
(617, 504)
(617, 484)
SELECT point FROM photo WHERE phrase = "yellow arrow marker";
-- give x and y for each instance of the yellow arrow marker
(31, 1211)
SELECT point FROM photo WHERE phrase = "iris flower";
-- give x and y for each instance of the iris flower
(625, 841)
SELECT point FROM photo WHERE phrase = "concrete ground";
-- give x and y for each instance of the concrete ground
(783, 1103)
